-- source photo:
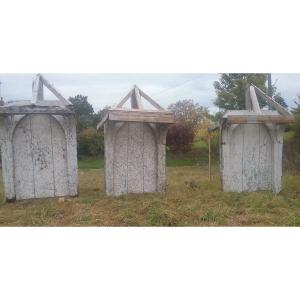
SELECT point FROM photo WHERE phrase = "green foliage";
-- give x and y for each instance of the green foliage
(189, 113)
(90, 142)
(296, 112)
(230, 90)
(84, 112)
(81, 105)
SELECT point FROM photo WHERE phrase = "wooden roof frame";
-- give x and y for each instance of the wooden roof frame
(38, 105)
(136, 94)
(259, 117)
(252, 104)
(137, 113)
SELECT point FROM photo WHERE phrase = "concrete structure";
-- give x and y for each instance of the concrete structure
(135, 146)
(251, 145)
(38, 146)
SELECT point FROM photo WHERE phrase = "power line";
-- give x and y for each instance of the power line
(176, 86)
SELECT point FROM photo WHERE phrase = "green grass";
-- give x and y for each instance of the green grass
(91, 163)
(190, 200)
(197, 156)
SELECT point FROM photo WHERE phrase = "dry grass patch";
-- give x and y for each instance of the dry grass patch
(190, 200)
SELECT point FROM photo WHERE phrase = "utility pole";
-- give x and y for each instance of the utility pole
(1, 99)
(270, 89)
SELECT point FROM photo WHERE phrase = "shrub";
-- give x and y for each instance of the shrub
(180, 137)
(90, 142)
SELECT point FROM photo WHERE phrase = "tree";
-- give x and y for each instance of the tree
(180, 137)
(84, 112)
(296, 112)
(90, 142)
(189, 113)
(230, 90)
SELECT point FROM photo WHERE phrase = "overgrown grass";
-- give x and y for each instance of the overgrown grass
(190, 200)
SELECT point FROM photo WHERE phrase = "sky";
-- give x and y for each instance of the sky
(108, 89)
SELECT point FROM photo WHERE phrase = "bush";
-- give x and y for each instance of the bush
(90, 142)
(180, 137)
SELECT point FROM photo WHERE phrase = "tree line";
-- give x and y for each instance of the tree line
(192, 119)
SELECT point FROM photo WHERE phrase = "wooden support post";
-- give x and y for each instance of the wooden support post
(138, 98)
(37, 90)
(209, 155)
(247, 97)
(254, 101)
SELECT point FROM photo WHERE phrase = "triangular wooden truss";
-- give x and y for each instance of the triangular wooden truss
(135, 95)
(259, 116)
(38, 91)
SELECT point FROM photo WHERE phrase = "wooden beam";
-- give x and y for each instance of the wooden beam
(34, 109)
(213, 127)
(209, 155)
(257, 119)
(122, 102)
(55, 92)
(136, 99)
(37, 89)
(100, 124)
(254, 101)
(151, 101)
(272, 102)
(141, 116)
(247, 97)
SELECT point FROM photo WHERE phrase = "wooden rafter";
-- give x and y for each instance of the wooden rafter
(124, 100)
(272, 102)
(151, 101)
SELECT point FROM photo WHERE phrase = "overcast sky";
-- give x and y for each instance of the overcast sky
(108, 89)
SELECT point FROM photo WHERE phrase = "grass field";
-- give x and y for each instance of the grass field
(190, 200)
(196, 157)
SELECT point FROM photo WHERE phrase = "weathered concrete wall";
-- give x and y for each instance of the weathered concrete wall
(134, 157)
(251, 157)
(39, 156)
